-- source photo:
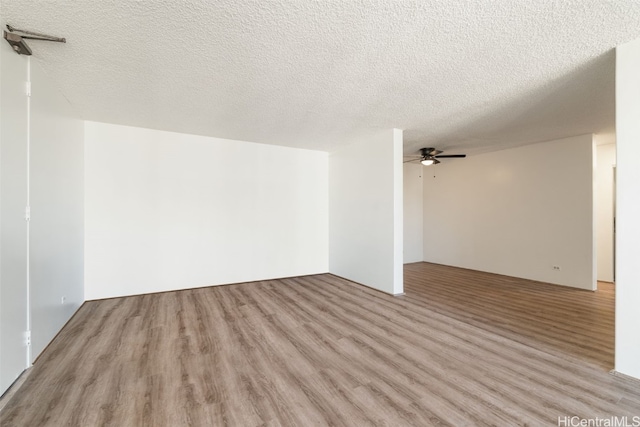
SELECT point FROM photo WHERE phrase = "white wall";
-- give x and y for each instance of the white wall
(171, 211)
(365, 211)
(13, 227)
(412, 206)
(628, 209)
(604, 207)
(56, 261)
(43, 171)
(517, 212)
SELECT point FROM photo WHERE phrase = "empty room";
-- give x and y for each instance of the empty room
(351, 213)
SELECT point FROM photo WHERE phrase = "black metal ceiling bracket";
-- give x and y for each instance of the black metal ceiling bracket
(16, 38)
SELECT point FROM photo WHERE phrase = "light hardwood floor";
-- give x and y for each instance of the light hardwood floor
(460, 348)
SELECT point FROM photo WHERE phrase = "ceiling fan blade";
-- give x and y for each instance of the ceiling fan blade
(413, 160)
(430, 151)
(451, 156)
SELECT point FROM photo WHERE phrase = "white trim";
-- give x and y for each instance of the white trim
(28, 353)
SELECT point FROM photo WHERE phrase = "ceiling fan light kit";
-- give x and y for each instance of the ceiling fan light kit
(429, 156)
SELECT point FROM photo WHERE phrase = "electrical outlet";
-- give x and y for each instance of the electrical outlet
(556, 267)
(62, 300)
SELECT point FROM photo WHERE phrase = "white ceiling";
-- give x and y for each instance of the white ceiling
(458, 75)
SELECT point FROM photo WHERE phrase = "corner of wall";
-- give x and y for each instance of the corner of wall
(398, 213)
(365, 210)
(627, 339)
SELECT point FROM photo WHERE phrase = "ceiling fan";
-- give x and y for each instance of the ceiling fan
(430, 156)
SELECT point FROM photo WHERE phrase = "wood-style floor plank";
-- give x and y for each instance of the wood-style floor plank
(459, 348)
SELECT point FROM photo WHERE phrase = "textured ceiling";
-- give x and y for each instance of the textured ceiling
(459, 75)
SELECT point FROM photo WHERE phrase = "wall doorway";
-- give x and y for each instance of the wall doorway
(605, 212)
